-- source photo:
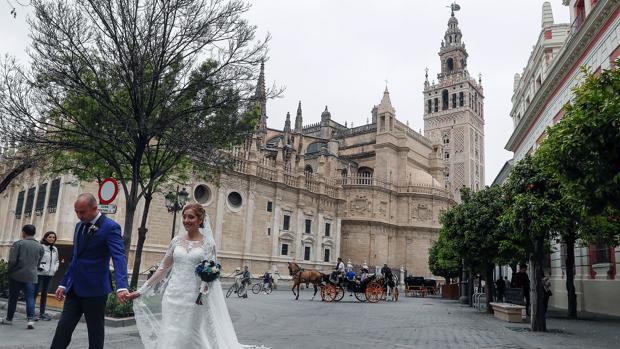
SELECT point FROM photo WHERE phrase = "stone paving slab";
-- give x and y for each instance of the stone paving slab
(278, 321)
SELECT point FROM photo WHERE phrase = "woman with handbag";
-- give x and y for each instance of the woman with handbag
(46, 270)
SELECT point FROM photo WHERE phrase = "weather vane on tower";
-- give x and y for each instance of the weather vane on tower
(454, 7)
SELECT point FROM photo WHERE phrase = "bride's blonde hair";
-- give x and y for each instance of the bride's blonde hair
(198, 211)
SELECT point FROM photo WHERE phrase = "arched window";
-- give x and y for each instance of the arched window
(450, 64)
(444, 100)
(315, 147)
(366, 174)
(308, 170)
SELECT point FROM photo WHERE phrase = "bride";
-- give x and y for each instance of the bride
(173, 289)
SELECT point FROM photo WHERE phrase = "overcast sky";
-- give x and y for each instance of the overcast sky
(340, 54)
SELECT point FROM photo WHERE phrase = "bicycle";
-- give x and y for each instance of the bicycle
(259, 286)
(238, 287)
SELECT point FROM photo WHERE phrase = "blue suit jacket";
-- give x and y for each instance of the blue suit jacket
(88, 274)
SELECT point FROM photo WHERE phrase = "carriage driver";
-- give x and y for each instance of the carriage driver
(340, 270)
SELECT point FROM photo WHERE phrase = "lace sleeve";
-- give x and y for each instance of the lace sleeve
(162, 271)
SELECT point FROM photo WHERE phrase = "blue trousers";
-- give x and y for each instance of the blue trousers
(42, 286)
(14, 288)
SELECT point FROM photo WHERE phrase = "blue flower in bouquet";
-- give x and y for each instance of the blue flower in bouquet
(208, 270)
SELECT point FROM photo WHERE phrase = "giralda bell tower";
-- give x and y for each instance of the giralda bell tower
(454, 114)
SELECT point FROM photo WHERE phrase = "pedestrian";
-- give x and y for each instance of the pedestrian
(47, 268)
(522, 280)
(24, 258)
(500, 284)
(547, 286)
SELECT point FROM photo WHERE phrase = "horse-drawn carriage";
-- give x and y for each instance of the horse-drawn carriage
(419, 286)
(372, 289)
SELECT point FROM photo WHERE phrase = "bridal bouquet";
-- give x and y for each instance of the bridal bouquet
(208, 271)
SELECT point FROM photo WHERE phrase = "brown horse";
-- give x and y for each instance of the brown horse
(306, 276)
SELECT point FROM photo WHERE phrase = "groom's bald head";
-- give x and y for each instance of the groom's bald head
(86, 207)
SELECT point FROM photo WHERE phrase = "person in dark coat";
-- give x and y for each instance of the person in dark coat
(24, 259)
(500, 284)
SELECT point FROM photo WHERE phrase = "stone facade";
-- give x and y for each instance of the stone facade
(370, 194)
(541, 92)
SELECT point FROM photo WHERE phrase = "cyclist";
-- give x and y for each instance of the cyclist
(266, 281)
(245, 280)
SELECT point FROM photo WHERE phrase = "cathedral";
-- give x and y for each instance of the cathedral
(370, 194)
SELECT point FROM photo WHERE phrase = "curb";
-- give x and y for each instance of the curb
(55, 315)
(21, 308)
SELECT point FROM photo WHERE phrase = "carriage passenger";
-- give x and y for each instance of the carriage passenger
(364, 274)
(350, 275)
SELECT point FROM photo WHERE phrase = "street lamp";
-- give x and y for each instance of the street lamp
(174, 203)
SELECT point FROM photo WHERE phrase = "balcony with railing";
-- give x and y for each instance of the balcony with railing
(289, 175)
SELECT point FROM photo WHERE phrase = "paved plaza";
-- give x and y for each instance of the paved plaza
(279, 322)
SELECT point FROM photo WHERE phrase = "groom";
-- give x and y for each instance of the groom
(86, 284)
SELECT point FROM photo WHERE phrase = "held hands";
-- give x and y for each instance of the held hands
(122, 296)
(60, 294)
(133, 295)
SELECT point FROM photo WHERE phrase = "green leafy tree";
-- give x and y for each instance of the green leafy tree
(532, 217)
(443, 259)
(582, 152)
(472, 229)
(584, 147)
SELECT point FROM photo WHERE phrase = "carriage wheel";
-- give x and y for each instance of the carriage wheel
(339, 293)
(373, 292)
(395, 294)
(360, 296)
(328, 293)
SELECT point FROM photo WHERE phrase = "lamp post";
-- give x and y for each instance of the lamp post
(174, 203)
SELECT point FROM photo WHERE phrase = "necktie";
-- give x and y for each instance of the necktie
(82, 234)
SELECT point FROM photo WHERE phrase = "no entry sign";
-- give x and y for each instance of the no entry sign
(108, 189)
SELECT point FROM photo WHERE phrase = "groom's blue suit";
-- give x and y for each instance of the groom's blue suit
(88, 274)
(87, 280)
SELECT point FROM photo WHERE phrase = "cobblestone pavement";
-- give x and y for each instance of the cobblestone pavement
(278, 321)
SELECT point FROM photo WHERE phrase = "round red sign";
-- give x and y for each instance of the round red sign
(108, 189)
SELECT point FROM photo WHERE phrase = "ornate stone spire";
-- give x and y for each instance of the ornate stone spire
(298, 119)
(261, 99)
(287, 123)
(325, 116)
(453, 34)
(547, 15)
(452, 54)
(386, 103)
(287, 130)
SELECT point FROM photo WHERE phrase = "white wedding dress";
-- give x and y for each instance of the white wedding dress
(174, 288)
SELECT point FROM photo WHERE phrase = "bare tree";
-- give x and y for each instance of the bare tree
(134, 87)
